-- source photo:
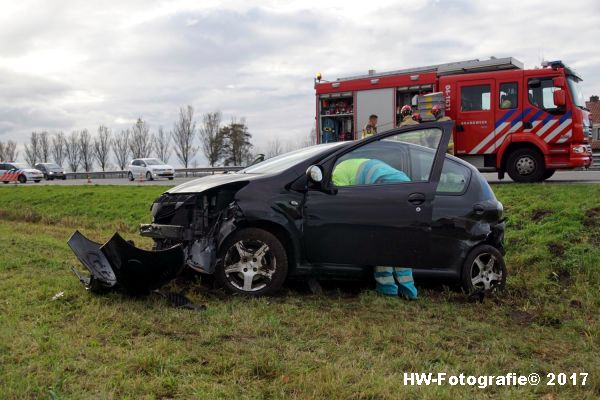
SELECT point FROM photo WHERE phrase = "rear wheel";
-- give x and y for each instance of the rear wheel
(253, 262)
(484, 269)
(148, 176)
(525, 165)
(22, 179)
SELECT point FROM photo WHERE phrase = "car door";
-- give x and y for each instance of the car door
(475, 130)
(384, 216)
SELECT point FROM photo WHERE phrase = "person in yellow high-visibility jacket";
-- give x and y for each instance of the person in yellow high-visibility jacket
(436, 111)
(371, 127)
(391, 281)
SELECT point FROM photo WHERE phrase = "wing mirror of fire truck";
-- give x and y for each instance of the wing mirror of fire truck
(560, 98)
(560, 82)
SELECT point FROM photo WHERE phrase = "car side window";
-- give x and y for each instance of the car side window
(508, 95)
(141, 163)
(475, 98)
(405, 157)
(454, 178)
(540, 92)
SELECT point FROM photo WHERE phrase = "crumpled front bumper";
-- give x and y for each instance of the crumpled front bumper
(118, 264)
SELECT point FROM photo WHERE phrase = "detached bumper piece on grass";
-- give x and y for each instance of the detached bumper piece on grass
(119, 265)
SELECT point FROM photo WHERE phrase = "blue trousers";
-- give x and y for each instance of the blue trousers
(394, 281)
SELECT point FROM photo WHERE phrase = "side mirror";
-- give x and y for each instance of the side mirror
(559, 82)
(315, 173)
(560, 98)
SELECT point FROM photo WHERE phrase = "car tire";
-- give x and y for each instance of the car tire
(130, 176)
(484, 269)
(252, 262)
(64, 178)
(525, 165)
(149, 176)
(37, 181)
(5, 182)
(22, 179)
(170, 179)
(548, 174)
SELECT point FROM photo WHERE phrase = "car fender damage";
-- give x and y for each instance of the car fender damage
(118, 264)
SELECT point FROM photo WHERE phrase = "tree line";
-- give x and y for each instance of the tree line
(228, 144)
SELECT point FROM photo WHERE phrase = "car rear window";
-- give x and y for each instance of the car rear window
(454, 179)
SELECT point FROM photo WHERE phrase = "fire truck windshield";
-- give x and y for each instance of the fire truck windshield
(576, 92)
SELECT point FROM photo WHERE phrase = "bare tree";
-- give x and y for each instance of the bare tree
(211, 138)
(121, 148)
(102, 146)
(236, 146)
(44, 153)
(10, 151)
(274, 148)
(2, 154)
(72, 151)
(162, 143)
(86, 150)
(140, 142)
(183, 135)
(32, 150)
(58, 148)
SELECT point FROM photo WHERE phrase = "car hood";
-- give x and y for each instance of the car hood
(212, 181)
(31, 170)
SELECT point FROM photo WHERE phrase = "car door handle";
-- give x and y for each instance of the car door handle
(416, 198)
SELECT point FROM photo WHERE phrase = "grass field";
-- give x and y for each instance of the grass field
(297, 345)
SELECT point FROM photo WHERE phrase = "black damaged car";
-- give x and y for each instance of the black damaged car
(330, 211)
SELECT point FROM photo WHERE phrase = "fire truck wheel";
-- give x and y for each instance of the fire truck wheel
(548, 173)
(22, 179)
(525, 165)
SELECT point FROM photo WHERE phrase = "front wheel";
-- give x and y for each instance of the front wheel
(525, 165)
(148, 176)
(548, 173)
(22, 179)
(253, 262)
(484, 269)
(130, 176)
(37, 181)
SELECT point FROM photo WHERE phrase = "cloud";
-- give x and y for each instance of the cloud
(72, 65)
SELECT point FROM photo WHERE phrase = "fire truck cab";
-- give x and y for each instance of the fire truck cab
(528, 123)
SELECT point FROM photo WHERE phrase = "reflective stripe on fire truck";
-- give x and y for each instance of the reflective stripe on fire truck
(540, 128)
(499, 126)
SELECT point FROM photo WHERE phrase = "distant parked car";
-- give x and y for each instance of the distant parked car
(24, 174)
(150, 168)
(51, 171)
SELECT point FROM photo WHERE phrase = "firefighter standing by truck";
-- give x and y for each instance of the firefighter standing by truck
(371, 127)
(407, 119)
(436, 111)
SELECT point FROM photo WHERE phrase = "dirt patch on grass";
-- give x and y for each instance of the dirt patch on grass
(539, 214)
(562, 277)
(556, 249)
(522, 317)
(592, 217)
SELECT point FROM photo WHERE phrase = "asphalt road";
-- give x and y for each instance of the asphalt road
(559, 177)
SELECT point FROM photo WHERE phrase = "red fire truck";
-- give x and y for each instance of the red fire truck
(527, 122)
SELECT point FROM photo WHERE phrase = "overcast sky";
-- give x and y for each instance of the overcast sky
(69, 65)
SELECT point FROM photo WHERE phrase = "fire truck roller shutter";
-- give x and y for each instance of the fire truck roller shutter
(379, 102)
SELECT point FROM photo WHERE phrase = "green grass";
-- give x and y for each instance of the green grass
(296, 345)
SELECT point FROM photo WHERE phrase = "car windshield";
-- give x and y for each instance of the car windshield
(18, 165)
(287, 160)
(576, 92)
(54, 166)
(153, 161)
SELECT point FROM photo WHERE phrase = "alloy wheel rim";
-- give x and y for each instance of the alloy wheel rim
(525, 165)
(249, 265)
(485, 272)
